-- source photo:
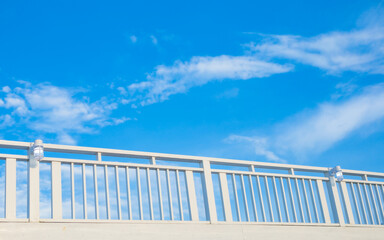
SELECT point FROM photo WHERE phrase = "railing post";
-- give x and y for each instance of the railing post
(33, 192)
(334, 196)
(210, 192)
(153, 160)
(10, 188)
(57, 210)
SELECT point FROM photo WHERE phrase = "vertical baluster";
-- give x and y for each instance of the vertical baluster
(374, 204)
(380, 203)
(225, 195)
(139, 193)
(150, 194)
(128, 194)
(382, 188)
(356, 203)
(179, 195)
(160, 197)
(269, 198)
(277, 199)
(57, 208)
(306, 200)
(236, 197)
(363, 204)
(261, 198)
(299, 198)
(323, 201)
(118, 191)
(347, 202)
(369, 205)
(169, 195)
(107, 192)
(10, 188)
(192, 196)
(245, 197)
(313, 200)
(84, 193)
(284, 199)
(292, 200)
(253, 197)
(73, 192)
(96, 191)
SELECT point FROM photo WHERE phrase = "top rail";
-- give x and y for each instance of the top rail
(163, 156)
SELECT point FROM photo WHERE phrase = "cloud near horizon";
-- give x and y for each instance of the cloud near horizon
(313, 132)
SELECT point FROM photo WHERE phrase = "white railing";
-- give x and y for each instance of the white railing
(81, 184)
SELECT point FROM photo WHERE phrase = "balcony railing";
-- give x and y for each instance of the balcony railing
(82, 184)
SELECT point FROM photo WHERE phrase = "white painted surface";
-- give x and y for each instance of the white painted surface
(34, 193)
(10, 188)
(116, 231)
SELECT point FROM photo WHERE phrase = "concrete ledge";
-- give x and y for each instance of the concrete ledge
(115, 231)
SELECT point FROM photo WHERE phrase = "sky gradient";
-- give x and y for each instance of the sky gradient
(295, 82)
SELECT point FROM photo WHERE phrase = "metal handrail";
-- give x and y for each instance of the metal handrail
(226, 195)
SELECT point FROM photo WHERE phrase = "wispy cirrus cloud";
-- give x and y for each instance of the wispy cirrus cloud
(259, 145)
(45, 108)
(315, 131)
(360, 50)
(228, 94)
(181, 76)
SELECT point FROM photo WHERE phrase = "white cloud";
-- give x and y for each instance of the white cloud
(181, 76)
(359, 50)
(133, 38)
(344, 89)
(230, 93)
(65, 138)
(122, 90)
(154, 40)
(333, 122)
(15, 102)
(6, 89)
(259, 145)
(313, 132)
(6, 121)
(49, 109)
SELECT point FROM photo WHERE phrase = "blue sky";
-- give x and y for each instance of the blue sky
(297, 82)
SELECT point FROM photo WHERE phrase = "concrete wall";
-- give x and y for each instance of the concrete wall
(115, 231)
